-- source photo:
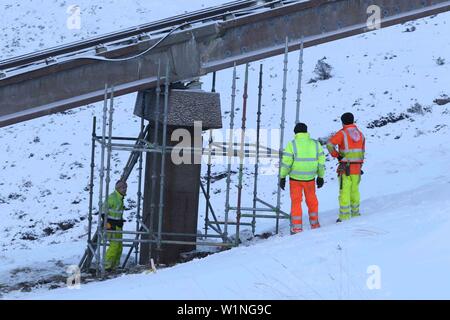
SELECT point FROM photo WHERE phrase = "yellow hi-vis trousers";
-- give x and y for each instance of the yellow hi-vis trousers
(114, 252)
(349, 196)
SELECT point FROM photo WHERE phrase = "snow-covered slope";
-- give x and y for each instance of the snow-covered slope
(331, 263)
(405, 191)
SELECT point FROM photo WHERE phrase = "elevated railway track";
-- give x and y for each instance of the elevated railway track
(193, 44)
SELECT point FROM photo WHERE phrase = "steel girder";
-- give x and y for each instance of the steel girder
(194, 51)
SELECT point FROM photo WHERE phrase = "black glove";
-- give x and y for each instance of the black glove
(115, 223)
(283, 183)
(340, 158)
(342, 167)
(362, 172)
(320, 182)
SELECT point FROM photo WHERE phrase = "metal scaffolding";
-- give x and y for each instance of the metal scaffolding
(216, 233)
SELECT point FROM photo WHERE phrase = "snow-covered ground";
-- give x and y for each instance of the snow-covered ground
(405, 190)
(331, 263)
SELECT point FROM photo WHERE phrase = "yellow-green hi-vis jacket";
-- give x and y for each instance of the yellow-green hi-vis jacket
(303, 159)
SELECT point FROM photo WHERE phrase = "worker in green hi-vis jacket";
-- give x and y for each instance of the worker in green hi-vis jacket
(114, 208)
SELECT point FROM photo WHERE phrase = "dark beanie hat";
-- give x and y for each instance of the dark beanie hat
(348, 118)
(300, 128)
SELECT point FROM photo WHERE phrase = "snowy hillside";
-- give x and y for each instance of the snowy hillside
(390, 79)
(330, 263)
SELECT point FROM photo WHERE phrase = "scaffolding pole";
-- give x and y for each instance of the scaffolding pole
(139, 191)
(90, 250)
(241, 155)
(282, 125)
(108, 179)
(258, 132)
(100, 233)
(299, 85)
(230, 154)
(163, 162)
(208, 182)
(91, 180)
(154, 158)
(208, 172)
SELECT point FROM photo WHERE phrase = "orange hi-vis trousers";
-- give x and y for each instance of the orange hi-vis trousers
(297, 188)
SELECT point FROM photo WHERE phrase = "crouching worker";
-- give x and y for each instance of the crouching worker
(303, 160)
(114, 209)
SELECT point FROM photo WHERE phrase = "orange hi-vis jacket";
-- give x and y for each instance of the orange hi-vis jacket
(352, 147)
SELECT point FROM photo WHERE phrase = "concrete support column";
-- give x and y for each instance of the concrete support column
(182, 181)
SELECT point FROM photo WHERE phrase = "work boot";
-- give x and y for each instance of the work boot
(354, 215)
(295, 231)
(338, 220)
(315, 226)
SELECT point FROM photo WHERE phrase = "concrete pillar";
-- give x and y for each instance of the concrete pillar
(182, 182)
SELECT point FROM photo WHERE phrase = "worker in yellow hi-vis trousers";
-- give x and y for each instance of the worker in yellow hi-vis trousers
(351, 153)
(114, 208)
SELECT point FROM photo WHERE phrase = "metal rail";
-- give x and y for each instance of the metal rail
(139, 30)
